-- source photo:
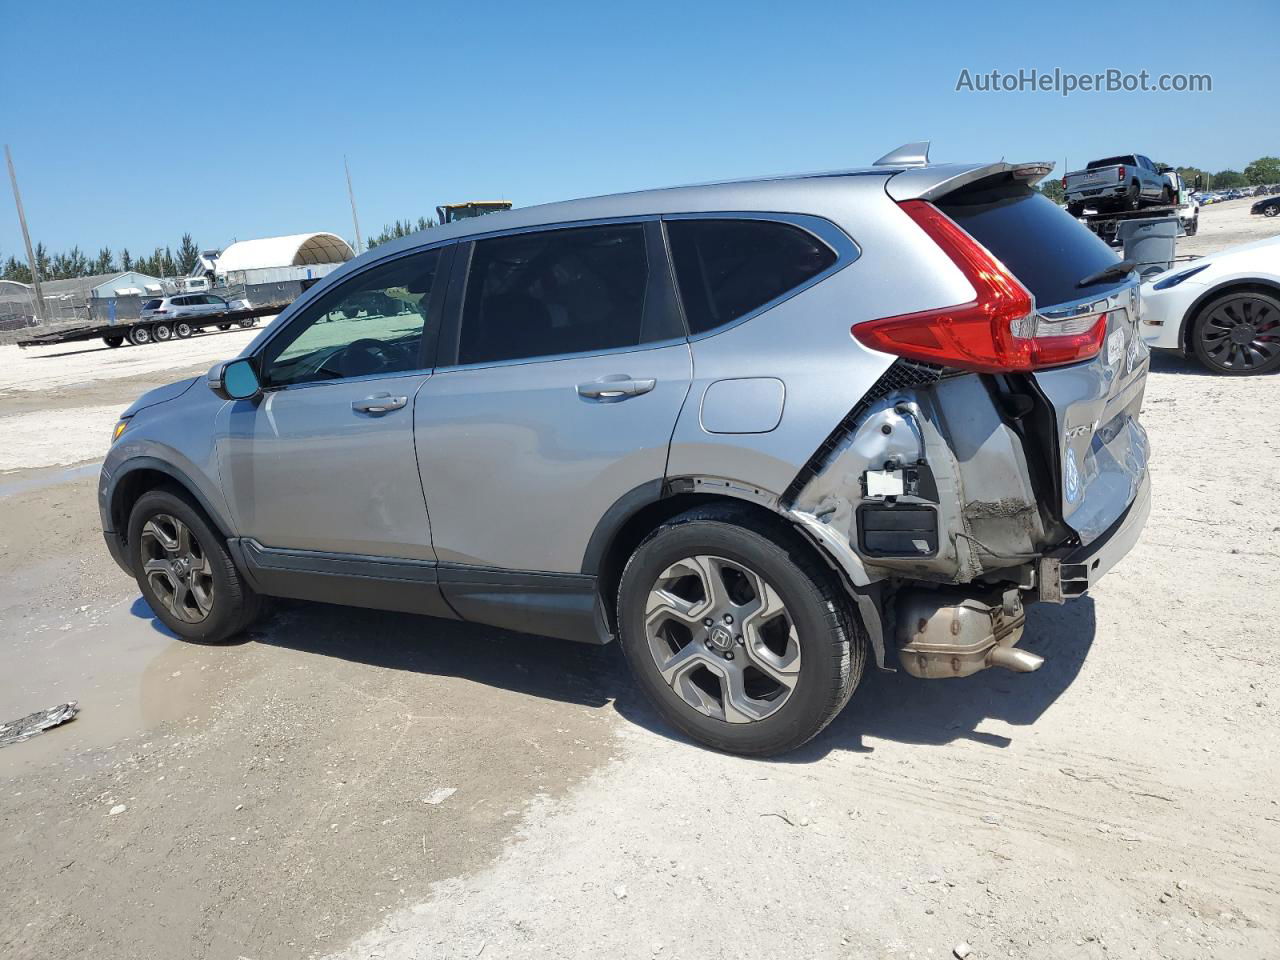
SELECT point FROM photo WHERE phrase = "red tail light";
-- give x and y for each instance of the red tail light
(996, 332)
(1064, 183)
(1121, 177)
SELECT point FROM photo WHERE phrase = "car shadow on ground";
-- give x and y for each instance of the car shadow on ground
(1169, 361)
(888, 706)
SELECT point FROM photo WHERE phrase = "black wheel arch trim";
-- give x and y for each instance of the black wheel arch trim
(133, 465)
(626, 507)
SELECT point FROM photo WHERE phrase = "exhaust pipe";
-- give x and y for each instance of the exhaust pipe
(954, 633)
(1019, 661)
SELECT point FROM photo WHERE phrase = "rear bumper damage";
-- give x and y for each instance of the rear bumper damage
(928, 499)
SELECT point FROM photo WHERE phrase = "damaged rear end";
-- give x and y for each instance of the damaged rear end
(1000, 459)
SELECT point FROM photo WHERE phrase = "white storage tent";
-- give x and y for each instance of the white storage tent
(293, 251)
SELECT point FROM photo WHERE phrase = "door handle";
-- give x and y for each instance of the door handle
(618, 386)
(379, 403)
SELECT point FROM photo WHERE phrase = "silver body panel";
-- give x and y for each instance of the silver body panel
(518, 468)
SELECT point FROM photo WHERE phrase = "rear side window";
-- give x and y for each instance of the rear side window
(552, 292)
(1129, 160)
(151, 305)
(728, 268)
(1041, 244)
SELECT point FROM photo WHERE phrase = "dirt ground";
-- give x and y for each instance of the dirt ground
(361, 785)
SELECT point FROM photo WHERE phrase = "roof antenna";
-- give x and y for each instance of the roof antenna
(915, 154)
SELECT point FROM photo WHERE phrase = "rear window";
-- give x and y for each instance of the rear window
(728, 268)
(151, 305)
(1041, 244)
(1129, 160)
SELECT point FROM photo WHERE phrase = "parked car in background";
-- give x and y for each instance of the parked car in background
(761, 432)
(1223, 309)
(190, 312)
(1188, 208)
(1269, 207)
(1124, 182)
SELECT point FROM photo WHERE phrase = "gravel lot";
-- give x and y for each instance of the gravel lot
(364, 785)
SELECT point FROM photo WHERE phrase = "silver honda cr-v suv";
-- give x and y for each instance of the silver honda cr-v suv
(758, 431)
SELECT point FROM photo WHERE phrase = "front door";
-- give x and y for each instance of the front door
(324, 460)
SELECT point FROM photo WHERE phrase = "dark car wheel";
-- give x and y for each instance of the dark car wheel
(113, 341)
(162, 332)
(139, 336)
(1133, 199)
(1075, 209)
(1238, 334)
(741, 639)
(182, 330)
(1272, 210)
(184, 571)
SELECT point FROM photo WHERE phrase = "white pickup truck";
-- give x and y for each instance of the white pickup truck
(1125, 182)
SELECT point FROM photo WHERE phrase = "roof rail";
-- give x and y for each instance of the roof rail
(914, 154)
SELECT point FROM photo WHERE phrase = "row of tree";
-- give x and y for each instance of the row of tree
(393, 231)
(1263, 170)
(162, 262)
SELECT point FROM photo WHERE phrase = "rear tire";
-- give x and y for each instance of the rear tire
(1075, 209)
(140, 336)
(194, 588)
(1133, 199)
(1238, 334)
(246, 324)
(113, 341)
(778, 683)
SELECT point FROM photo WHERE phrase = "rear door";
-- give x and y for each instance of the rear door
(1101, 448)
(556, 395)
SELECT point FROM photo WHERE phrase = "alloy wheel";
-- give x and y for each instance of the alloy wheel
(177, 568)
(1241, 333)
(722, 639)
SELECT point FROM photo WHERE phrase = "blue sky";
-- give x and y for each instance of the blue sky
(130, 125)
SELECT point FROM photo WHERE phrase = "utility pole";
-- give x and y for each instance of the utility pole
(26, 237)
(354, 219)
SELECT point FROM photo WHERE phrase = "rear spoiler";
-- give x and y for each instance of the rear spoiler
(932, 182)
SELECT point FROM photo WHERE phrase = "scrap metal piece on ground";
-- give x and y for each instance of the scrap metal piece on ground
(38, 722)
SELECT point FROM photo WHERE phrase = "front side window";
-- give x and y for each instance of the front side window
(373, 323)
(553, 292)
(728, 268)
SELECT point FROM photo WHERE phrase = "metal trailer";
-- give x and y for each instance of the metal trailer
(1107, 225)
(157, 330)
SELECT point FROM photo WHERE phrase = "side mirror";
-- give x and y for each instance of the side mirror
(234, 380)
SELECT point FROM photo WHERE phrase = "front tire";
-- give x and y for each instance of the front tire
(184, 571)
(1238, 334)
(740, 638)
(1271, 211)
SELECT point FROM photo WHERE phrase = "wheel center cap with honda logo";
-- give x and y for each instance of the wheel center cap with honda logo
(721, 638)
